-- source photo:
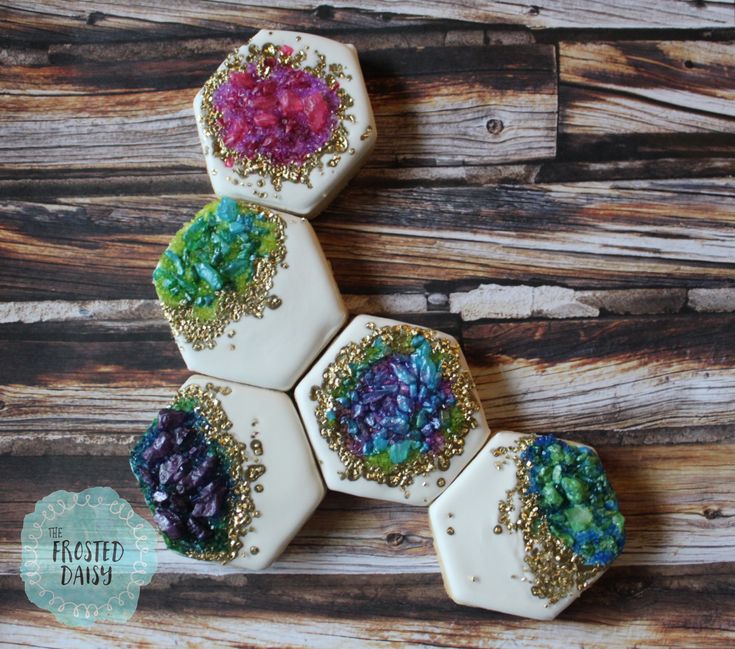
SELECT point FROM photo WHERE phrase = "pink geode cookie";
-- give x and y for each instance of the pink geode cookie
(285, 121)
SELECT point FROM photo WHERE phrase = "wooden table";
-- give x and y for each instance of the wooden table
(552, 185)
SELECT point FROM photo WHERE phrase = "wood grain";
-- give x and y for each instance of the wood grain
(95, 20)
(647, 98)
(588, 378)
(586, 268)
(621, 234)
(432, 107)
(627, 607)
(677, 499)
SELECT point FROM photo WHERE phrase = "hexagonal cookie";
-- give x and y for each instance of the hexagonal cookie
(391, 411)
(228, 473)
(285, 121)
(249, 294)
(531, 522)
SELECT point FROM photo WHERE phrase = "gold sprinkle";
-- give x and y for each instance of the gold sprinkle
(474, 579)
(257, 446)
(498, 529)
(450, 515)
(254, 549)
(255, 471)
(441, 482)
(241, 505)
(274, 302)
(259, 488)
(231, 347)
(366, 133)
(450, 531)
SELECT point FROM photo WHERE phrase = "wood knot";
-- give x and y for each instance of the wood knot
(325, 12)
(710, 513)
(494, 126)
(395, 539)
(95, 17)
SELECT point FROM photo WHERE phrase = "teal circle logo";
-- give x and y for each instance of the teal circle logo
(86, 556)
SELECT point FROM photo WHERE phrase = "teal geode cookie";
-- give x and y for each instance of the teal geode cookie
(218, 268)
(569, 516)
(530, 523)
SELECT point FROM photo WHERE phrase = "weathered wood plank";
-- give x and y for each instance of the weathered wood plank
(432, 106)
(84, 21)
(627, 607)
(622, 234)
(647, 98)
(109, 379)
(692, 75)
(678, 501)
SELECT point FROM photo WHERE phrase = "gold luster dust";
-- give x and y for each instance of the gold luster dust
(452, 370)
(233, 305)
(556, 570)
(261, 58)
(241, 505)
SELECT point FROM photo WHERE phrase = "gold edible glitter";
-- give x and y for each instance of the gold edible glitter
(241, 505)
(262, 58)
(556, 569)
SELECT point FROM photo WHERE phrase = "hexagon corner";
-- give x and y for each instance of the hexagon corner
(228, 473)
(530, 523)
(391, 411)
(285, 121)
(233, 282)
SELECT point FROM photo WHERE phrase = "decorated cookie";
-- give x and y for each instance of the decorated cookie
(391, 411)
(227, 472)
(531, 522)
(249, 294)
(285, 121)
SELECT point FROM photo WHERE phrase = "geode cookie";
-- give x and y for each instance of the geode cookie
(391, 411)
(248, 293)
(285, 121)
(531, 522)
(227, 472)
